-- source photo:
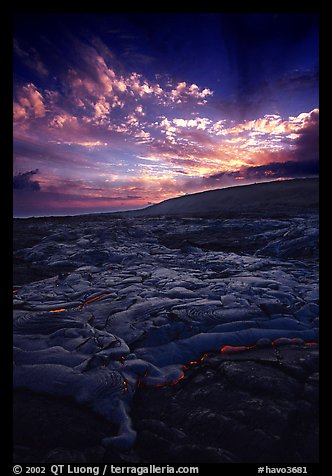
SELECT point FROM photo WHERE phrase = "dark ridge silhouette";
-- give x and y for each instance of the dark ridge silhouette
(284, 196)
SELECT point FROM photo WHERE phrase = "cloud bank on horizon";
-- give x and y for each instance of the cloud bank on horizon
(120, 111)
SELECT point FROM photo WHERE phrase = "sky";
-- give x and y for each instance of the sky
(118, 111)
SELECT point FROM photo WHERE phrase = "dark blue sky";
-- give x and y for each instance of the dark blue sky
(109, 89)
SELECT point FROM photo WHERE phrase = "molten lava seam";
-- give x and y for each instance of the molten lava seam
(81, 305)
(224, 349)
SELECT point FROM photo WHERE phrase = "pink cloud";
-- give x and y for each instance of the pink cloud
(19, 112)
(198, 123)
(64, 120)
(87, 144)
(143, 136)
(136, 85)
(139, 110)
(120, 84)
(121, 114)
(98, 89)
(247, 144)
(102, 110)
(101, 80)
(30, 103)
(183, 91)
(269, 124)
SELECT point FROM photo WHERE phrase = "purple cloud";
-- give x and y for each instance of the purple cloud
(22, 181)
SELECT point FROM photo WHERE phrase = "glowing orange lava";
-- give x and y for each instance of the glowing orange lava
(195, 362)
(95, 298)
(88, 301)
(167, 384)
(224, 349)
(294, 340)
(83, 304)
(235, 348)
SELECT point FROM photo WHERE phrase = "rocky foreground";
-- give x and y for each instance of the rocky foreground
(256, 406)
(166, 339)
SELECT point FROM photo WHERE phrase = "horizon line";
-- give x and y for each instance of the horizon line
(63, 215)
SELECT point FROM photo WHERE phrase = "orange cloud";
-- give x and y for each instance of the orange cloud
(203, 150)
(269, 124)
(127, 119)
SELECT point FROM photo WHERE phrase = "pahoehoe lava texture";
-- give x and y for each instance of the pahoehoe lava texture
(258, 406)
(254, 406)
(130, 304)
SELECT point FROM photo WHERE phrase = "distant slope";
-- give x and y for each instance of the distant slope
(286, 196)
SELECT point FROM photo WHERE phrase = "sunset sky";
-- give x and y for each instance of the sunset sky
(118, 111)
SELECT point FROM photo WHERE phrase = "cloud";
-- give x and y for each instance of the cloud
(184, 92)
(88, 144)
(289, 169)
(139, 110)
(143, 136)
(272, 170)
(102, 109)
(268, 124)
(64, 120)
(113, 199)
(35, 151)
(100, 102)
(307, 142)
(300, 160)
(19, 112)
(31, 59)
(99, 74)
(22, 181)
(198, 122)
(257, 155)
(30, 103)
(95, 78)
(107, 127)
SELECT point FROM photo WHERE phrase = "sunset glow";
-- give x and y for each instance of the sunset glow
(118, 111)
